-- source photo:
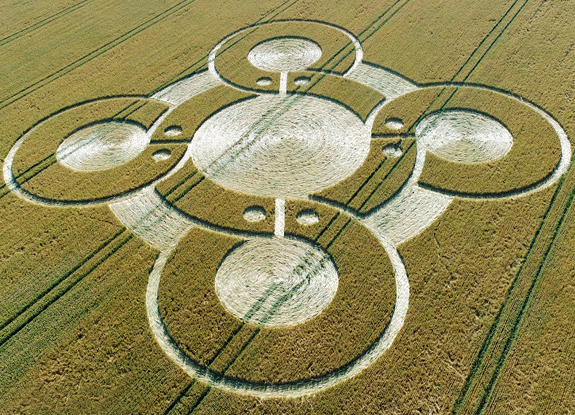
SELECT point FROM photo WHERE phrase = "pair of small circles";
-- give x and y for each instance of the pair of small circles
(257, 213)
(300, 81)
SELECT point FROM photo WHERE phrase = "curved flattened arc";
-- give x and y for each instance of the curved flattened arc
(200, 198)
(38, 173)
(534, 155)
(385, 171)
(230, 58)
(188, 189)
(359, 98)
(181, 124)
(223, 347)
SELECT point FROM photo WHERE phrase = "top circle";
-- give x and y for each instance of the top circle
(285, 54)
(266, 50)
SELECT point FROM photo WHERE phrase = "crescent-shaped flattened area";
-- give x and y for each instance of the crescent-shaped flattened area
(247, 349)
(457, 123)
(94, 151)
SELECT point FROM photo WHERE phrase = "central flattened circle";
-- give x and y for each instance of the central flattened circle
(276, 281)
(281, 146)
(285, 54)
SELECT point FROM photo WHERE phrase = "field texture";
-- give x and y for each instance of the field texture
(287, 207)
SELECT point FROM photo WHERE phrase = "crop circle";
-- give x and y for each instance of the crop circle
(286, 147)
(276, 281)
(464, 136)
(102, 146)
(285, 54)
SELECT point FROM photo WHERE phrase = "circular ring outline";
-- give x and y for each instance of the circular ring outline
(13, 186)
(212, 55)
(295, 389)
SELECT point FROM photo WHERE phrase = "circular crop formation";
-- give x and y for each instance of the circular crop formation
(289, 295)
(464, 136)
(253, 58)
(102, 146)
(277, 146)
(284, 282)
(302, 306)
(91, 154)
(285, 54)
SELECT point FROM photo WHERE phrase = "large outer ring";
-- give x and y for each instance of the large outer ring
(295, 389)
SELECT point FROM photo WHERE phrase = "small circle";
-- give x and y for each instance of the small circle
(302, 80)
(264, 81)
(102, 146)
(173, 131)
(392, 150)
(161, 155)
(276, 281)
(307, 217)
(254, 214)
(285, 54)
(464, 136)
(394, 124)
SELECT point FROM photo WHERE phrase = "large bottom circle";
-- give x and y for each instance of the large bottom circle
(276, 281)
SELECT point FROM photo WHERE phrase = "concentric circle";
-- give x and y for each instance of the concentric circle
(285, 54)
(285, 147)
(102, 146)
(464, 136)
(276, 281)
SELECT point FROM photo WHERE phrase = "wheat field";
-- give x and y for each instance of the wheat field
(287, 207)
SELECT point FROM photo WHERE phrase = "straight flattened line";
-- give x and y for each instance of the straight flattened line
(200, 399)
(95, 53)
(477, 362)
(317, 238)
(488, 48)
(372, 175)
(496, 40)
(519, 319)
(492, 31)
(397, 163)
(338, 234)
(493, 330)
(185, 391)
(17, 329)
(484, 40)
(58, 281)
(177, 400)
(188, 189)
(7, 39)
